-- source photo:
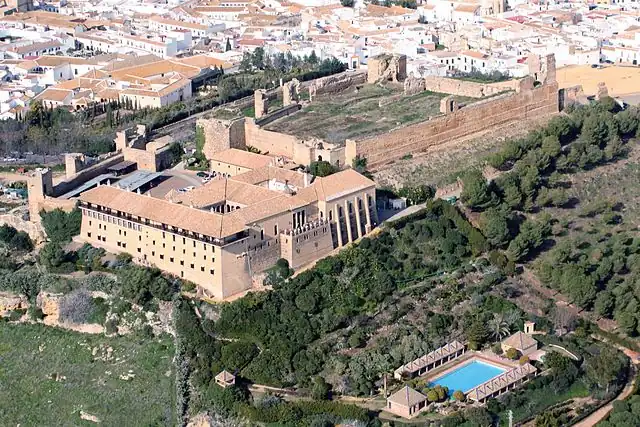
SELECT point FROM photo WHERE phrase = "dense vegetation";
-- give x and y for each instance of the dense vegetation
(625, 413)
(598, 269)
(263, 71)
(333, 295)
(61, 226)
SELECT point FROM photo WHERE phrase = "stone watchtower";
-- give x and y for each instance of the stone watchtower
(39, 186)
(542, 68)
(261, 103)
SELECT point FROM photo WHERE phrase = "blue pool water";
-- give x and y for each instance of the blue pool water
(468, 376)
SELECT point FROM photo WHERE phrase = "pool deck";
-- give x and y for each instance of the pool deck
(469, 356)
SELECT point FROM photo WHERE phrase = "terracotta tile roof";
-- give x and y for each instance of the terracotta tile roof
(474, 54)
(242, 158)
(520, 341)
(52, 94)
(176, 23)
(168, 89)
(407, 397)
(341, 183)
(467, 8)
(163, 212)
(157, 68)
(204, 61)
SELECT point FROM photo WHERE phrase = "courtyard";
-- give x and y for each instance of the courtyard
(361, 112)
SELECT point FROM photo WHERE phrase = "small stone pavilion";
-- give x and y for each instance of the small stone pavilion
(522, 341)
(406, 402)
(225, 379)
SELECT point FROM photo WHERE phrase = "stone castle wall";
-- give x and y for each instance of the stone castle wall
(474, 118)
(304, 247)
(221, 134)
(274, 143)
(467, 88)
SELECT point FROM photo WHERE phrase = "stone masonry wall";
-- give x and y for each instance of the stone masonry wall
(274, 143)
(336, 83)
(220, 135)
(466, 88)
(474, 118)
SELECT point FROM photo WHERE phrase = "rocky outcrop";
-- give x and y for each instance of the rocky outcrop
(50, 306)
(34, 230)
(10, 302)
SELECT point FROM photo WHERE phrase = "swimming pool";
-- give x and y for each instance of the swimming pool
(468, 376)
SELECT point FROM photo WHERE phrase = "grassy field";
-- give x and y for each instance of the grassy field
(49, 375)
(371, 110)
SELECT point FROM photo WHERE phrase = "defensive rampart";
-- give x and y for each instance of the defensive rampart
(477, 117)
(467, 88)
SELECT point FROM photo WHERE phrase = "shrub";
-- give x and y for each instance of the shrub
(61, 226)
(100, 310)
(100, 282)
(459, 396)
(497, 349)
(36, 313)
(512, 354)
(188, 286)
(111, 327)
(523, 360)
(77, 306)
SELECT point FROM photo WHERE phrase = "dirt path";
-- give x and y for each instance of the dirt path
(603, 412)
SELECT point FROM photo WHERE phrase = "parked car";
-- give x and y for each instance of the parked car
(202, 174)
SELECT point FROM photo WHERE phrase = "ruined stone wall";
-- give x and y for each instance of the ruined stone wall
(336, 83)
(145, 159)
(220, 135)
(278, 114)
(274, 143)
(467, 88)
(474, 118)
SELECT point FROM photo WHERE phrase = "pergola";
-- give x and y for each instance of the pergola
(436, 358)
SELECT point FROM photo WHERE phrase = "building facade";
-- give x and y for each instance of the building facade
(220, 235)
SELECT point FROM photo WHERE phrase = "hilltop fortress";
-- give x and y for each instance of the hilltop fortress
(383, 114)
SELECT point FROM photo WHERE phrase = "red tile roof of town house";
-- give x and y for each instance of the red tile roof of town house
(177, 23)
(474, 54)
(212, 9)
(251, 42)
(151, 69)
(519, 19)
(204, 61)
(52, 94)
(34, 47)
(382, 11)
